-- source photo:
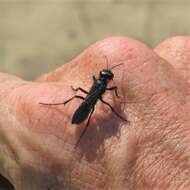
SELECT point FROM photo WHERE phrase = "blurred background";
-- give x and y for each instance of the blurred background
(37, 36)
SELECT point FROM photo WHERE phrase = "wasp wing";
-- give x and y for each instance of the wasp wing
(81, 113)
(84, 109)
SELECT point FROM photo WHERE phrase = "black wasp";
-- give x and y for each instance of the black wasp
(86, 108)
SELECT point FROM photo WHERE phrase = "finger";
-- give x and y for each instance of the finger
(31, 133)
(176, 51)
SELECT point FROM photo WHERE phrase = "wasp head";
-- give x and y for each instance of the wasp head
(106, 74)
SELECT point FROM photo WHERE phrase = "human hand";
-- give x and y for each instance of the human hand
(148, 152)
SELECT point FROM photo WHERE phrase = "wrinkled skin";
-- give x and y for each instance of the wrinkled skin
(150, 151)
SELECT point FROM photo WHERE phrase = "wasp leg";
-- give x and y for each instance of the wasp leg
(115, 90)
(86, 127)
(80, 97)
(113, 110)
(94, 78)
(79, 88)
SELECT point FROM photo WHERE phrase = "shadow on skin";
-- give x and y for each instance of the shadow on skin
(93, 141)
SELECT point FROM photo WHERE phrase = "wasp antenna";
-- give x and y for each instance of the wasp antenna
(116, 66)
(107, 62)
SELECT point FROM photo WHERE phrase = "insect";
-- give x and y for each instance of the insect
(87, 107)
